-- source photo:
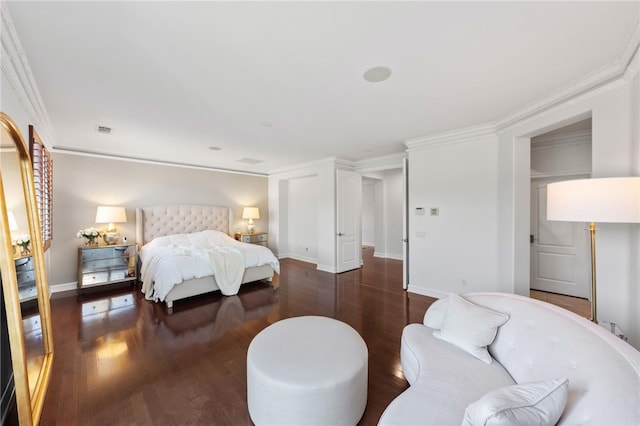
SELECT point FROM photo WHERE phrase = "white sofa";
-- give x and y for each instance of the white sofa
(538, 342)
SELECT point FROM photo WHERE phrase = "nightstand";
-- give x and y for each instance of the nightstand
(104, 265)
(259, 238)
(26, 278)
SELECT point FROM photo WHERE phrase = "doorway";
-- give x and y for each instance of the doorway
(559, 250)
(382, 213)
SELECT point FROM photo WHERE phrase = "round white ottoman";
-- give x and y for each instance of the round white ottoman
(307, 371)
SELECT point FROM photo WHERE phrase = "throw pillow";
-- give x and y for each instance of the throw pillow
(470, 327)
(434, 316)
(540, 403)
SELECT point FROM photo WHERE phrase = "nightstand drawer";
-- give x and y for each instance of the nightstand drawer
(102, 253)
(103, 277)
(257, 238)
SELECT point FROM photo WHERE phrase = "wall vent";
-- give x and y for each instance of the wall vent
(103, 129)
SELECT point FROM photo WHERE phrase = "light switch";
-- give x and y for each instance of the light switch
(434, 211)
(420, 234)
(419, 211)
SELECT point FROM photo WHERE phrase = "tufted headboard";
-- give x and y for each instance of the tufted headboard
(158, 221)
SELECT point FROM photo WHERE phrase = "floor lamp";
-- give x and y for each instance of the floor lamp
(609, 200)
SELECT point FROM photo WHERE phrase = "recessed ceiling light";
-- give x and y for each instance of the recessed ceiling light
(215, 148)
(377, 74)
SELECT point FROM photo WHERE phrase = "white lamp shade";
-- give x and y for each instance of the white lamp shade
(595, 200)
(13, 225)
(251, 213)
(107, 214)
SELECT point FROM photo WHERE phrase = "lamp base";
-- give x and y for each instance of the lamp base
(111, 238)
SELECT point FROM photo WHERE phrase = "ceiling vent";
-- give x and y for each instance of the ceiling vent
(103, 129)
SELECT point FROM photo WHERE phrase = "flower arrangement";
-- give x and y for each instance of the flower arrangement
(23, 241)
(90, 235)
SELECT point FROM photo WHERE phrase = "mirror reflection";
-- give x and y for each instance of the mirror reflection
(23, 257)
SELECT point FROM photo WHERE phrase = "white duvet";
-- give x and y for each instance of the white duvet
(170, 260)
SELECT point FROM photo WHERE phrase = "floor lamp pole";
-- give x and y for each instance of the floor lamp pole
(594, 306)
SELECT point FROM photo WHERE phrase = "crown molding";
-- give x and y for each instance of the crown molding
(96, 154)
(602, 76)
(464, 134)
(385, 162)
(624, 67)
(14, 65)
(324, 163)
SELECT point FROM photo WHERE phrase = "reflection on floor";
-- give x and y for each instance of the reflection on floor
(577, 305)
(120, 359)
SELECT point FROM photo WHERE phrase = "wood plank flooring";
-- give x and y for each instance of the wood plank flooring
(120, 360)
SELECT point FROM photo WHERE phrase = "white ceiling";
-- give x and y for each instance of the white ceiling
(282, 82)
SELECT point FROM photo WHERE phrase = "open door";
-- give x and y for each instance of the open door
(349, 217)
(405, 223)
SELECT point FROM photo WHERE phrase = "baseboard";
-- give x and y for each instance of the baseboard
(438, 294)
(326, 268)
(298, 257)
(59, 288)
(387, 255)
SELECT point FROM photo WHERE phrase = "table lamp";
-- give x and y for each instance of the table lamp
(111, 215)
(251, 213)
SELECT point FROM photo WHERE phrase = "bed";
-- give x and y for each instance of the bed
(159, 223)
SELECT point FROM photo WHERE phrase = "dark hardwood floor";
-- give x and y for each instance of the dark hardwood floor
(119, 359)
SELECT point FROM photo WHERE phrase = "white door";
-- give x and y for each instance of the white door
(559, 250)
(348, 207)
(405, 223)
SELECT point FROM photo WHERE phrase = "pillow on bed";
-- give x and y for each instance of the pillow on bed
(470, 327)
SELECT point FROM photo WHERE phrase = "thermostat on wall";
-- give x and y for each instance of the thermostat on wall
(419, 211)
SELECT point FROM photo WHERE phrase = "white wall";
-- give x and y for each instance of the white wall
(393, 216)
(368, 212)
(302, 220)
(456, 250)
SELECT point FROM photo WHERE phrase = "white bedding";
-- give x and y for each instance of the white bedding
(168, 261)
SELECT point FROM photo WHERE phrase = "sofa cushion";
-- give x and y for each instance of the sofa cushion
(449, 380)
(539, 403)
(470, 327)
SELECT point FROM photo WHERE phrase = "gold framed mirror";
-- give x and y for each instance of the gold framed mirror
(22, 271)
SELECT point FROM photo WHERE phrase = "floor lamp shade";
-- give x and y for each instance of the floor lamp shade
(608, 200)
(595, 200)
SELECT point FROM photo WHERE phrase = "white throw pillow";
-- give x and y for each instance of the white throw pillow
(434, 317)
(470, 327)
(540, 403)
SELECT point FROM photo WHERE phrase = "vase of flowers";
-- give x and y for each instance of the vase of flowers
(90, 236)
(23, 242)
